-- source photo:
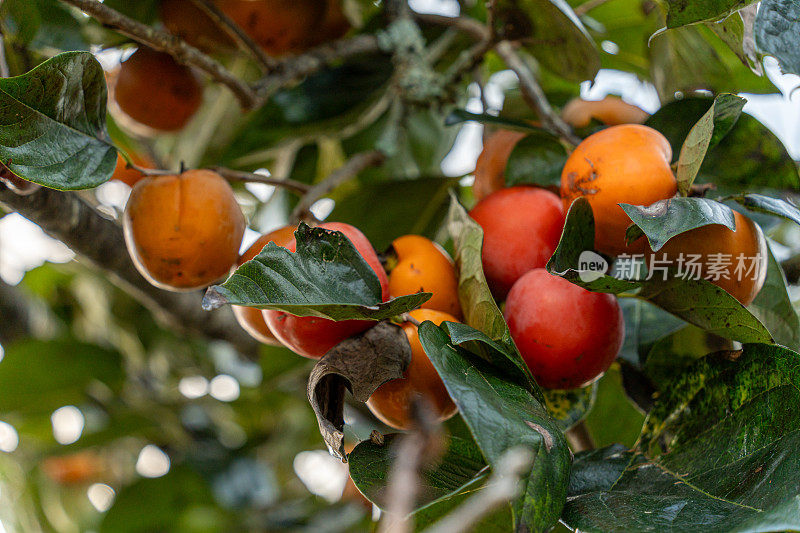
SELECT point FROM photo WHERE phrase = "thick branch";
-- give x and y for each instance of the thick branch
(166, 42)
(349, 170)
(533, 94)
(99, 241)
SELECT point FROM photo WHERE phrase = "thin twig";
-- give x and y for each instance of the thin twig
(534, 95)
(579, 438)
(4, 72)
(230, 27)
(250, 177)
(349, 170)
(467, 25)
(166, 42)
(502, 487)
(587, 6)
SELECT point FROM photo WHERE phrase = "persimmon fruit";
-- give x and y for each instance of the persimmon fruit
(278, 26)
(391, 402)
(490, 170)
(74, 469)
(191, 23)
(567, 335)
(250, 318)
(421, 265)
(611, 111)
(154, 90)
(183, 232)
(735, 261)
(521, 229)
(311, 336)
(621, 164)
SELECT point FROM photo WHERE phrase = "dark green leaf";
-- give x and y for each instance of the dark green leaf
(552, 33)
(54, 120)
(644, 324)
(459, 116)
(537, 159)
(733, 33)
(708, 131)
(665, 219)
(568, 407)
(142, 10)
(501, 415)
(734, 438)
(777, 33)
(773, 307)
(326, 277)
(495, 353)
(370, 465)
(749, 156)
(771, 206)
(682, 12)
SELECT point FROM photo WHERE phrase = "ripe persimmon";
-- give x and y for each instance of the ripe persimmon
(278, 26)
(334, 23)
(735, 261)
(311, 336)
(250, 318)
(154, 90)
(421, 265)
(611, 111)
(183, 232)
(391, 401)
(521, 229)
(74, 469)
(191, 23)
(567, 335)
(131, 176)
(490, 170)
(621, 164)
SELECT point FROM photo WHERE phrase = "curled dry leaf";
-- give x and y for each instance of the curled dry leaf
(359, 364)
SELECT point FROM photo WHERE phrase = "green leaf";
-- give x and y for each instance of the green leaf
(500, 415)
(644, 324)
(698, 302)
(665, 219)
(29, 384)
(497, 354)
(552, 33)
(21, 18)
(731, 461)
(732, 32)
(458, 116)
(771, 206)
(773, 307)
(54, 131)
(568, 407)
(371, 464)
(480, 310)
(777, 33)
(142, 10)
(682, 12)
(707, 132)
(749, 156)
(327, 277)
(537, 159)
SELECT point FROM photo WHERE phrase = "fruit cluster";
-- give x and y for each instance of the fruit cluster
(184, 232)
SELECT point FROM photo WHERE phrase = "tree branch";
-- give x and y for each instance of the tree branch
(166, 42)
(239, 175)
(267, 62)
(99, 241)
(471, 27)
(297, 67)
(534, 95)
(349, 170)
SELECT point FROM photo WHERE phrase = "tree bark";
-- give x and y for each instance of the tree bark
(99, 242)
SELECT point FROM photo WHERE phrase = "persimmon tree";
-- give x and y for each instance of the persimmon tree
(648, 260)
